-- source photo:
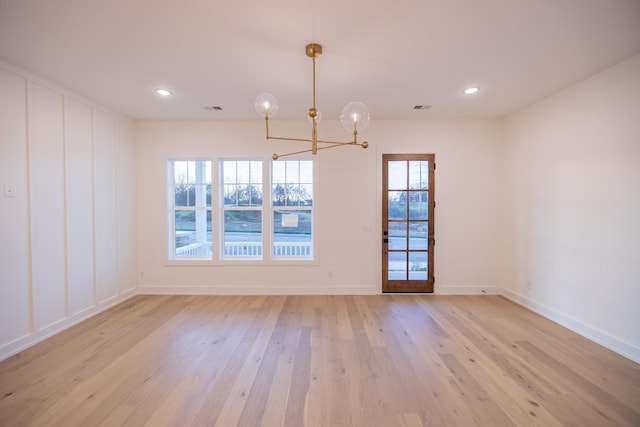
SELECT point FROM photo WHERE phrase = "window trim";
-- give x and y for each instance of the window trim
(217, 203)
(312, 208)
(170, 251)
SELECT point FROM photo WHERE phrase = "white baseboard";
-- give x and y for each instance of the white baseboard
(29, 340)
(621, 347)
(257, 290)
(468, 290)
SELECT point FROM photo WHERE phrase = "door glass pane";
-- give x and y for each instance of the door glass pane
(397, 175)
(418, 235)
(397, 235)
(418, 205)
(418, 265)
(397, 262)
(419, 175)
(397, 204)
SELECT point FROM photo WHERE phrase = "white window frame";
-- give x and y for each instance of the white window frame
(305, 251)
(245, 250)
(201, 249)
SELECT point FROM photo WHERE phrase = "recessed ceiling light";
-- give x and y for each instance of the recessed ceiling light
(471, 90)
(163, 92)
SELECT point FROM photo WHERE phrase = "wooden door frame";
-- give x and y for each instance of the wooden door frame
(407, 285)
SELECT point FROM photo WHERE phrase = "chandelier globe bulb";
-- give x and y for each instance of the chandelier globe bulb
(355, 116)
(266, 105)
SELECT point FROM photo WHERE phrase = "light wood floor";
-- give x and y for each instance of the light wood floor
(318, 361)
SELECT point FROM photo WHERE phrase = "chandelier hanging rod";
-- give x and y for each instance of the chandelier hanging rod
(355, 115)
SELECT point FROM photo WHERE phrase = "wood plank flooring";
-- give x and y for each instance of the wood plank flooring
(385, 360)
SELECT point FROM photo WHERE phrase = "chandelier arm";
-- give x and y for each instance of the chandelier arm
(288, 139)
(339, 143)
(335, 144)
(277, 156)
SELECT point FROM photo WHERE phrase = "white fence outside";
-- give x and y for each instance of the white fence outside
(247, 249)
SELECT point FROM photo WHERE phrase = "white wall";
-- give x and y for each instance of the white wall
(572, 207)
(68, 229)
(348, 204)
(542, 207)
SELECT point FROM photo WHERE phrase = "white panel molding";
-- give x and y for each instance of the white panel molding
(34, 78)
(30, 340)
(49, 310)
(46, 203)
(621, 347)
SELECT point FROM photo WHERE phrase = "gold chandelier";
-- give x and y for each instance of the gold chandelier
(354, 117)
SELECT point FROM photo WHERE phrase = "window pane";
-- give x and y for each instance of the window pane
(397, 262)
(397, 204)
(229, 171)
(256, 172)
(192, 233)
(397, 235)
(181, 171)
(418, 205)
(293, 171)
(418, 235)
(418, 265)
(397, 171)
(306, 194)
(419, 175)
(230, 195)
(242, 182)
(292, 186)
(201, 195)
(278, 174)
(190, 216)
(244, 174)
(278, 195)
(292, 233)
(242, 233)
(306, 171)
(184, 194)
(249, 195)
(255, 193)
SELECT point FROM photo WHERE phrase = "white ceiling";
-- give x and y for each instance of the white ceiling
(389, 54)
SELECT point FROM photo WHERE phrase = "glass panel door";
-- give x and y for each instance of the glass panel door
(407, 229)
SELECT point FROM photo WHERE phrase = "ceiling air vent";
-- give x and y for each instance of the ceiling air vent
(213, 108)
(421, 107)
